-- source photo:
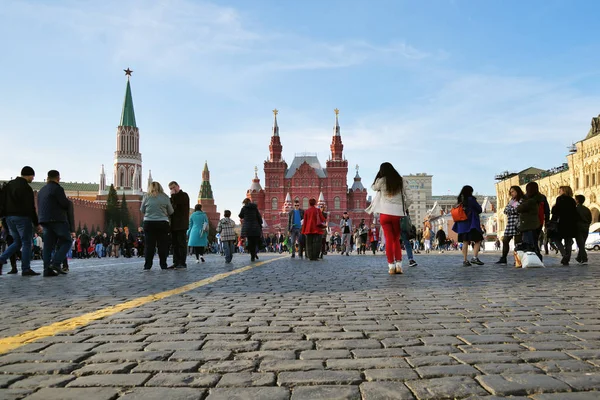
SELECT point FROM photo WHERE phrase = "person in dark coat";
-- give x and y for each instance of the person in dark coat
(18, 206)
(179, 224)
(583, 228)
(251, 221)
(53, 207)
(529, 220)
(469, 230)
(564, 213)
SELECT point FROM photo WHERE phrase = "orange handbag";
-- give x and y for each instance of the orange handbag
(458, 213)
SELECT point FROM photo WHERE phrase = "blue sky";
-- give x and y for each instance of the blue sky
(458, 89)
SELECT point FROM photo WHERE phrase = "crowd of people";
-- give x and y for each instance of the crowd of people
(46, 231)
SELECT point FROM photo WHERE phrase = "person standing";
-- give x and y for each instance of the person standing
(312, 229)
(226, 229)
(373, 238)
(407, 230)
(363, 233)
(53, 207)
(128, 240)
(583, 228)
(156, 208)
(326, 231)
(469, 230)
(140, 239)
(389, 186)
(198, 232)
(251, 221)
(512, 222)
(346, 227)
(179, 224)
(19, 210)
(565, 215)
(440, 236)
(295, 218)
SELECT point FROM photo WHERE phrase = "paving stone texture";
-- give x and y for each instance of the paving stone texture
(341, 328)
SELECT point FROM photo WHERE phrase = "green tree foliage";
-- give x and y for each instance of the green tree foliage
(124, 212)
(78, 229)
(113, 214)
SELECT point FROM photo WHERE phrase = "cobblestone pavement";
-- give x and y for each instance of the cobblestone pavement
(341, 328)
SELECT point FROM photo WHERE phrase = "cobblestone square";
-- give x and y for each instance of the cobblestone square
(341, 328)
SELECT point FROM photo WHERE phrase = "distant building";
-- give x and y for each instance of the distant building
(205, 197)
(306, 178)
(581, 172)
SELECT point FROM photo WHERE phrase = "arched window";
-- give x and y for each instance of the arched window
(305, 203)
(121, 178)
(336, 203)
(274, 203)
(297, 200)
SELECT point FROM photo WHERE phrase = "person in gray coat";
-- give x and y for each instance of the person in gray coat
(156, 207)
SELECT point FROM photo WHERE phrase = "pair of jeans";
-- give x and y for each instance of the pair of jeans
(347, 248)
(295, 236)
(56, 237)
(407, 246)
(157, 234)
(229, 249)
(21, 229)
(179, 243)
(565, 249)
(581, 238)
(530, 238)
(99, 250)
(391, 230)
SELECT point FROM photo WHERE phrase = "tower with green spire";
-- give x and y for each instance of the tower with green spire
(128, 159)
(205, 197)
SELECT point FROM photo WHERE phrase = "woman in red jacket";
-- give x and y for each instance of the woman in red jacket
(373, 238)
(312, 227)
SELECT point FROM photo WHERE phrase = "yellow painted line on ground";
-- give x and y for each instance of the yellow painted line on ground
(13, 342)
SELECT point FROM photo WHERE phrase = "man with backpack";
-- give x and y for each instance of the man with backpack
(17, 204)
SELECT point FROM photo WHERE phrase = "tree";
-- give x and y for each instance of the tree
(79, 229)
(93, 230)
(85, 228)
(124, 212)
(112, 209)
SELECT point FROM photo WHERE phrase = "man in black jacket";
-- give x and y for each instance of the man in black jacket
(295, 218)
(180, 220)
(53, 206)
(18, 206)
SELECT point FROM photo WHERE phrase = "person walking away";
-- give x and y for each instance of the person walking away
(390, 204)
(469, 230)
(53, 207)
(427, 239)
(373, 238)
(18, 206)
(406, 232)
(323, 209)
(312, 228)
(179, 224)
(226, 229)
(251, 221)
(511, 232)
(346, 227)
(198, 232)
(363, 233)
(295, 218)
(583, 228)
(565, 215)
(156, 208)
(440, 236)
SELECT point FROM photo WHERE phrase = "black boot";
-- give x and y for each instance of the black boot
(502, 260)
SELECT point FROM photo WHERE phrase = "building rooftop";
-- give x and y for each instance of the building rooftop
(68, 186)
(311, 160)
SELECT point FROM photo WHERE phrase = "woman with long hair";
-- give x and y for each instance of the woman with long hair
(156, 207)
(512, 225)
(251, 221)
(565, 215)
(389, 202)
(469, 230)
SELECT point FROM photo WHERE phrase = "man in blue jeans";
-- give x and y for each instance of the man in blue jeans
(53, 207)
(295, 218)
(18, 206)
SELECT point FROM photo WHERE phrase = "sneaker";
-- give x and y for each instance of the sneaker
(202, 259)
(502, 261)
(412, 263)
(399, 267)
(392, 269)
(583, 262)
(47, 272)
(197, 261)
(476, 261)
(466, 264)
